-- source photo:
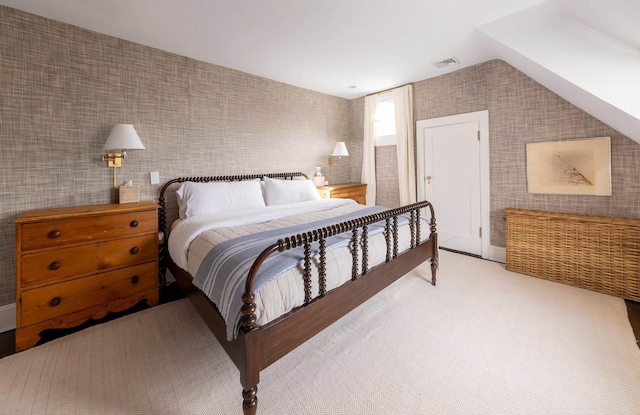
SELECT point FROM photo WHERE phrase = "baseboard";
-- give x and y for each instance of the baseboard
(7, 317)
(498, 254)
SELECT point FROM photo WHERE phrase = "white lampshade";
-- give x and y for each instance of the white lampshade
(340, 150)
(123, 137)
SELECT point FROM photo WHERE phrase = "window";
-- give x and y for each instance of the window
(385, 120)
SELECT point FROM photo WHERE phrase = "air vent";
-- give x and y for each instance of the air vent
(447, 62)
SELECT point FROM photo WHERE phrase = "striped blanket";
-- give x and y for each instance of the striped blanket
(223, 272)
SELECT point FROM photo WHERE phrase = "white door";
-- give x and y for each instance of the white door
(451, 179)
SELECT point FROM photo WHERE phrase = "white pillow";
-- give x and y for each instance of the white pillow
(279, 192)
(196, 198)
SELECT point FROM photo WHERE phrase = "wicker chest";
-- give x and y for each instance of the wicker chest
(597, 253)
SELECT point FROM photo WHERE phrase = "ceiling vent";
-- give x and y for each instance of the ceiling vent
(447, 62)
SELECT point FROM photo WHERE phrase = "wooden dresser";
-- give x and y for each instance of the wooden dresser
(78, 263)
(355, 191)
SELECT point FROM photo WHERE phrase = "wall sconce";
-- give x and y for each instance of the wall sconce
(340, 150)
(122, 137)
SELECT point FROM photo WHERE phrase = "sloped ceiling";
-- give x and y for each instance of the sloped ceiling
(587, 51)
(590, 59)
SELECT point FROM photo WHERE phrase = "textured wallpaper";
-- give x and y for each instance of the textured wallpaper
(388, 193)
(522, 111)
(62, 88)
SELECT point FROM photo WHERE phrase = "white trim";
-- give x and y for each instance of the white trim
(482, 117)
(387, 140)
(7, 317)
(498, 254)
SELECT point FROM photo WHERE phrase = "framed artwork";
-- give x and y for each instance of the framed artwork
(573, 167)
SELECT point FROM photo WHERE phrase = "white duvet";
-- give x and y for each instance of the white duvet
(191, 239)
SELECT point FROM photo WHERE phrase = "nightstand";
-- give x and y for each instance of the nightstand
(355, 191)
(80, 263)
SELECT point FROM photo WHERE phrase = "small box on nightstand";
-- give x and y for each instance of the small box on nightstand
(128, 194)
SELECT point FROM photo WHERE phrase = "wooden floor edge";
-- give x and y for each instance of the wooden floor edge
(633, 311)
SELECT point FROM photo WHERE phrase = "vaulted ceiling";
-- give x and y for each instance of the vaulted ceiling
(587, 51)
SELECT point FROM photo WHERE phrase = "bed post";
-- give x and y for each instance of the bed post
(249, 378)
(250, 373)
(250, 401)
(434, 241)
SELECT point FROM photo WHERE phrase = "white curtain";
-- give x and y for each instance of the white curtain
(403, 103)
(369, 154)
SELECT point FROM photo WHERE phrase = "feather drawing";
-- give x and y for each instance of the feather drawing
(571, 173)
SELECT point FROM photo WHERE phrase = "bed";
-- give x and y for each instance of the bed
(268, 272)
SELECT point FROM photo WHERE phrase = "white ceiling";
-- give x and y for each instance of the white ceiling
(330, 45)
(324, 46)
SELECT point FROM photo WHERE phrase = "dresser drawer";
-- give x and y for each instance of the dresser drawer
(56, 300)
(355, 191)
(58, 232)
(347, 193)
(325, 193)
(64, 263)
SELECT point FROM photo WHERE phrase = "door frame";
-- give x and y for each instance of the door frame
(482, 117)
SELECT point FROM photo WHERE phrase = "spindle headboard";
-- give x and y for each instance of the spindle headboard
(167, 215)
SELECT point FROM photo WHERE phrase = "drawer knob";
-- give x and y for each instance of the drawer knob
(133, 250)
(55, 265)
(54, 234)
(135, 279)
(54, 301)
(133, 223)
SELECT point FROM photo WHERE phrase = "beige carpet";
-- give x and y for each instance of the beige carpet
(484, 341)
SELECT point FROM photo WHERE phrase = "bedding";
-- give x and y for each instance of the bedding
(219, 251)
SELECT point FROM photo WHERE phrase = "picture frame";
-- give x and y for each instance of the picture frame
(570, 167)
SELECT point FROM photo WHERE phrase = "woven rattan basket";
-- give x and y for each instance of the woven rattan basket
(597, 253)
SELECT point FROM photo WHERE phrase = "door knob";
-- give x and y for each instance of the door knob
(428, 178)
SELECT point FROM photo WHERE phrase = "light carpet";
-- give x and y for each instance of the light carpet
(483, 341)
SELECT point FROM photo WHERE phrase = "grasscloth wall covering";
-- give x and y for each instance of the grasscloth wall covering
(522, 111)
(62, 88)
(388, 193)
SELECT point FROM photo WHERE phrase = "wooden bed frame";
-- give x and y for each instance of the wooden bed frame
(255, 348)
